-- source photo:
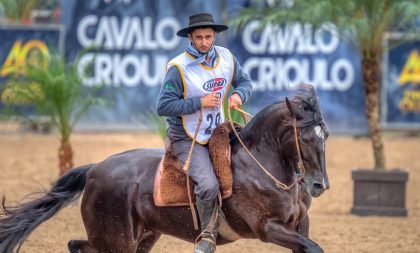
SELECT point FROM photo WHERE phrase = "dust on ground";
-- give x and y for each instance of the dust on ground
(29, 163)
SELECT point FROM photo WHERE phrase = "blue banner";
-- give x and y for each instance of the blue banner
(125, 46)
(401, 89)
(20, 44)
(279, 57)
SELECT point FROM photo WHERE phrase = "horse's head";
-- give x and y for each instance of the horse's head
(295, 131)
(307, 143)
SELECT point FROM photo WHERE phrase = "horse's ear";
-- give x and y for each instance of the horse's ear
(290, 107)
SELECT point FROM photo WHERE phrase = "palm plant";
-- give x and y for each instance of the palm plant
(55, 90)
(17, 10)
(363, 23)
(158, 124)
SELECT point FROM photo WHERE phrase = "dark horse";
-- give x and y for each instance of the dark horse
(119, 213)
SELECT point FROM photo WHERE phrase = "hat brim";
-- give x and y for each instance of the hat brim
(184, 32)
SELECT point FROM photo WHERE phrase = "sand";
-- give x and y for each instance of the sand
(29, 162)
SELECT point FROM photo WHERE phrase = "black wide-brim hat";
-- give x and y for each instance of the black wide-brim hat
(201, 20)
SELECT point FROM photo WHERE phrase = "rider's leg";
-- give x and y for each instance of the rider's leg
(206, 190)
(207, 211)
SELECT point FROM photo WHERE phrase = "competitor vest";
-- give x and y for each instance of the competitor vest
(199, 80)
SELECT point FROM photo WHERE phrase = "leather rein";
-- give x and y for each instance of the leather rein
(300, 165)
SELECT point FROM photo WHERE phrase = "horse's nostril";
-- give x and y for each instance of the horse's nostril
(318, 186)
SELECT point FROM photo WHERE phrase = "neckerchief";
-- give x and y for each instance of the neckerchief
(201, 57)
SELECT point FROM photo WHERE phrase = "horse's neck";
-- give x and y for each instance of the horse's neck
(260, 153)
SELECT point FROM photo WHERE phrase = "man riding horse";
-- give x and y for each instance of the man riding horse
(197, 82)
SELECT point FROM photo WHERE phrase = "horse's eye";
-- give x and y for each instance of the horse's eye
(304, 139)
(304, 107)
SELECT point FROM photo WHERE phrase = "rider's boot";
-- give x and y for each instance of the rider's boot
(207, 212)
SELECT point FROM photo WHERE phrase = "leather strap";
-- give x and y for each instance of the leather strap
(186, 169)
(276, 182)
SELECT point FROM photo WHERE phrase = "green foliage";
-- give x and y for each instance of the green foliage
(55, 90)
(157, 123)
(17, 10)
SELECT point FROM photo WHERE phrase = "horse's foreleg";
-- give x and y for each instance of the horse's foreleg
(147, 241)
(79, 246)
(303, 227)
(274, 232)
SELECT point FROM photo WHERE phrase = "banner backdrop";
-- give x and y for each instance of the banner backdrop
(126, 46)
(279, 57)
(401, 89)
(20, 44)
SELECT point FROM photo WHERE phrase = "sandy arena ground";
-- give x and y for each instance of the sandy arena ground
(29, 162)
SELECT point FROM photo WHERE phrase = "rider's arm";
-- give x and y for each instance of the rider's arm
(241, 82)
(171, 100)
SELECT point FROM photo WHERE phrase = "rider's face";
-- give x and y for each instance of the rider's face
(202, 38)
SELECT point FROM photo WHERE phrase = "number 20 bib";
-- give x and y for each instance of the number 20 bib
(200, 80)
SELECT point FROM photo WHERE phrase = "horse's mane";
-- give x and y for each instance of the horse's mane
(306, 109)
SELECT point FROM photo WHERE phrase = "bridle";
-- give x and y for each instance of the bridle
(300, 166)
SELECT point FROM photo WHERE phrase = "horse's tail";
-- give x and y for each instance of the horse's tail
(19, 221)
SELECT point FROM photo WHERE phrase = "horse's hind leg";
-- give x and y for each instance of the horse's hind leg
(79, 246)
(147, 241)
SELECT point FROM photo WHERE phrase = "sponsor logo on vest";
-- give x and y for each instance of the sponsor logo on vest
(214, 84)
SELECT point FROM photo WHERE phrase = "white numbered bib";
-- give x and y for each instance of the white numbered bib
(200, 80)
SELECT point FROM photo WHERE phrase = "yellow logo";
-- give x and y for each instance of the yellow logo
(411, 70)
(33, 51)
(410, 101)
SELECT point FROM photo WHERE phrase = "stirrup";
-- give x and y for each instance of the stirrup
(205, 243)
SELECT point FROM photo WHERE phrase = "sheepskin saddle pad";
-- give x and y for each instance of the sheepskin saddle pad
(170, 184)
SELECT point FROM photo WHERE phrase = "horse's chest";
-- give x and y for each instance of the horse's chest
(291, 213)
(299, 213)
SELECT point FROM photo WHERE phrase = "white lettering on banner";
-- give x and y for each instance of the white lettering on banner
(127, 33)
(115, 69)
(278, 73)
(275, 39)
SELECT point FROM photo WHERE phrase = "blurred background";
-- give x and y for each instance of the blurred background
(126, 45)
(93, 69)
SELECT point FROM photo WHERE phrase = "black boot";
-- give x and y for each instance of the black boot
(207, 212)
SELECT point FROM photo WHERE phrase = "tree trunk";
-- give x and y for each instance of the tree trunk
(65, 157)
(371, 77)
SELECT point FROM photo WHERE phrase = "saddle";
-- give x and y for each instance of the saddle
(170, 184)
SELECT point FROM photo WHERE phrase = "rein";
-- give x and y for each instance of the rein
(300, 165)
(186, 169)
